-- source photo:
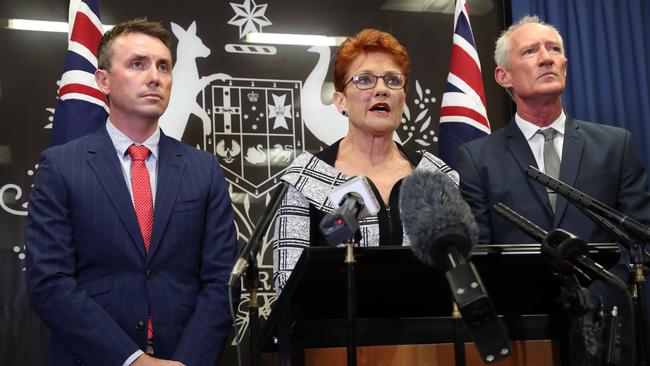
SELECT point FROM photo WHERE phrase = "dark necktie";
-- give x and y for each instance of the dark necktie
(143, 199)
(551, 160)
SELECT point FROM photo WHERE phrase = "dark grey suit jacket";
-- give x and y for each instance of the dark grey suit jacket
(598, 160)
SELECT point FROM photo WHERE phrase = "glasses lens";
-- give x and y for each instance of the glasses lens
(394, 81)
(364, 81)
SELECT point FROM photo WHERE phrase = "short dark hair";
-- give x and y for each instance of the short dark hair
(138, 25)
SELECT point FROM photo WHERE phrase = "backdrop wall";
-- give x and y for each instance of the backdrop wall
(277, 98)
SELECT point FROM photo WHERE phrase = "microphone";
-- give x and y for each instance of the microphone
(585, 202)
(560, 249)
(353, 201)
(442, 232)
(252, 246)
(564, 252)
(435, 217)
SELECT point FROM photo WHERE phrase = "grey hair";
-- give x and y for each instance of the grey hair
(503, 44)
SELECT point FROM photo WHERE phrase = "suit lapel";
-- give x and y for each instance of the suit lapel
(170, 170)
(572, 151)
(518, 146)
(103, 160)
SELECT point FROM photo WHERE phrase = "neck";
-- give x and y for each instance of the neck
(368, 149)
(539, 112)
(138, 130)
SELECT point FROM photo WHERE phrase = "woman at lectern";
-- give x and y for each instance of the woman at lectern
(370, 78)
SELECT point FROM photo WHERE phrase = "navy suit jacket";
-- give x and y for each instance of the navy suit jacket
(598, 160)
(88, 275)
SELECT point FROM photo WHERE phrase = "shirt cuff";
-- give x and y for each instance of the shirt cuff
(133, 357)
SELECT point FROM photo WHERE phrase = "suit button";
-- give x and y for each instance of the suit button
(149, 274)
(139, 325)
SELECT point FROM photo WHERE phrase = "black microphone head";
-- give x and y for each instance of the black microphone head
(560, 248)
(435, 217)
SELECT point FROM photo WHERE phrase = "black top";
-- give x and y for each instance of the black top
(390, 222)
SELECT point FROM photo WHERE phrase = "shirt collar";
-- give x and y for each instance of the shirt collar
(529, 129)
(122, 142)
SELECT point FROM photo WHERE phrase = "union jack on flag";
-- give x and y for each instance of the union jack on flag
(82, 107)
(463, 114)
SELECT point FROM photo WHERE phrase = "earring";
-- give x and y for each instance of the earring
(344, 113)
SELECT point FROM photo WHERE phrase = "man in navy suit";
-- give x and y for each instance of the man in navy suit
(598, 160)
(119, 276)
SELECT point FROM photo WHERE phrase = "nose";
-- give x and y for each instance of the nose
(381, 89)
(545, 57)
(154, 75)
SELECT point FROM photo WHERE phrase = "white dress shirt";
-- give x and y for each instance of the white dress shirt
(536, 140)
(122, 143)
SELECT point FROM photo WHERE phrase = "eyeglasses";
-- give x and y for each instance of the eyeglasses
(368, 81)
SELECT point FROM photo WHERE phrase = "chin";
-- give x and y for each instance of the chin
(154, 109)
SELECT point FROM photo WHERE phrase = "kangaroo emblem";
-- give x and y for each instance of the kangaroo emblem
(187, 84)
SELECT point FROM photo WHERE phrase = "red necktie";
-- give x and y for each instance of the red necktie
(141, 187)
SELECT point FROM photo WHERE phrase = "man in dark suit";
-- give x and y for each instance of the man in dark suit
(130, 233)
(598, 160)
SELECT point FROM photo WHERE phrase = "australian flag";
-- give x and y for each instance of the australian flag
(463, 114)
(82, 107)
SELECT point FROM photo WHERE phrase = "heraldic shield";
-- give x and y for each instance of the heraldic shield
(257, 129)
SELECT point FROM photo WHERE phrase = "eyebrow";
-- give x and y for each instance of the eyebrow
(137, 57)
(529, 45)
(537, 43)
(144, 57)
(388, 72)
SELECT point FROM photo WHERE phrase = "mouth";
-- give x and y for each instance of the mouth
(152, 95)
(548, 73)
(380, 107)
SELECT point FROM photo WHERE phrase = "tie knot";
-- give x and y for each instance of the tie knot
(549, 134)
(138, 152)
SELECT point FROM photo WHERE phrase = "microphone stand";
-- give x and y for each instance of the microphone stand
(342, 227)
(637, 281)
(351, 303)
(628, 231)
(247, 265)
(252, 283)
(558, 248)
(459, 342)
(638, 298)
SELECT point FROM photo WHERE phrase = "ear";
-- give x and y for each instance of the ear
(502, 77)
(192, 28)
(339, 101)
(102, 80)
(177, 30)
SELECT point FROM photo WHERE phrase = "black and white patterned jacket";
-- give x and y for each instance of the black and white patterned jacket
(310, 181)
